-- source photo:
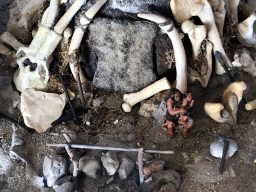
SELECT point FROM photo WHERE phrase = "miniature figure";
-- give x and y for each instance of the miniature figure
(178, 112)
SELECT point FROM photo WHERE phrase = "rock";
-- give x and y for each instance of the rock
(124, 52)
(40, 109)
(170, 187)
(160, 112)
(66, 187)
(32, 175)
(89, 165)
(63, 179)
(162, 178)
(16, 141)
(53, 168)
(5, 162)
(110, 162)
(168, 176)
(125, 168)
(216, 148)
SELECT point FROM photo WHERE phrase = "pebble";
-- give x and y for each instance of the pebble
(89, 165)
(216, 148)
(110, 162)
(126, 167)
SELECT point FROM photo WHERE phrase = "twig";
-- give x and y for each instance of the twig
(140, 165)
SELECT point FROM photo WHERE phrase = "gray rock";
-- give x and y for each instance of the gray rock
(160, 112)
(110, 162)
(126, 167)
(53, 168)
(124, 52)
(168, 176)
(5, 162)
(89, 165)
(63, 179)
(32, 175)
(216, 148)
(66, 187)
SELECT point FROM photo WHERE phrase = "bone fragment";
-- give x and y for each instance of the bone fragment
(196, 34)
(233, 5)
(251, 105)
(204, 12)
(134, 98)
(9, 39)
(246, 31)
(219, 17)
(244, 61)
(51, 13)
(40, 109)
(167, 27)
(66, 18)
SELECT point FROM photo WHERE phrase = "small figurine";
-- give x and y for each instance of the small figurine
(178, 112)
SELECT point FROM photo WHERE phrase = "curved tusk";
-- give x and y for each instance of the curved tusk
(167, 27)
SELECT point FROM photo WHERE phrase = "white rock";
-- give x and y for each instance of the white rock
(110, 162)
(40, 109)
(53, 168)
(216, 148)
(89, 166)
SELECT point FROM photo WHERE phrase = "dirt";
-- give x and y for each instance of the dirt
(199, 170)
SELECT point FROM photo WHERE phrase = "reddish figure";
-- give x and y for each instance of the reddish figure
(178, 112)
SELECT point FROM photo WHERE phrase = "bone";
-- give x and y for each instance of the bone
(79, 33)
(65, 40)
(206, 77)
(179, 51)
(219, 17)
(134, 98)
(9, 39)
(246, 63)
(50, 14)
(217, 112)
(204, 12)
(196, 34)
(246, 31)
(66, 18)
(251, 105)
(233, 5)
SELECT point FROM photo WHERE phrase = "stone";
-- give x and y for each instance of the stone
(5, 162)
(53, 168)
(216, 148)
(125, 168)
(63, 179)
(40, 109)
(89, 165)
(110, 162)
(160, 112)
(32, 175)
(66, 187)
(124, 51)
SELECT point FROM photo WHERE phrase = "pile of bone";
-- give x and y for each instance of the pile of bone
(114, 166)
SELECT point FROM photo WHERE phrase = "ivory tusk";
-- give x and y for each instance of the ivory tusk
(134, 98)
(167, 27)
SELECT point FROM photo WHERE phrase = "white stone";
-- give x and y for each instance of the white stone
(216, 148)
(40, 109)
(89, 166)
(110, 162)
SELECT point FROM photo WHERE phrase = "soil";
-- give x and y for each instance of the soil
(199, 170)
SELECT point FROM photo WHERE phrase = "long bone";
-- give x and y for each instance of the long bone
(233, 5)
(34, 61)
(134, 98)
(167, 27)
(219, 17)
(79, 33)
(9, 39)
(204, 12)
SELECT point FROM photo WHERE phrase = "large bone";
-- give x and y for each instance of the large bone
(134, 98)
(167, 27)
(219, 17)
(204, 12)
(51, 13)
(34, 61)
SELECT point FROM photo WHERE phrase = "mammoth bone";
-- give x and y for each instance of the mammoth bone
(34, 60)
